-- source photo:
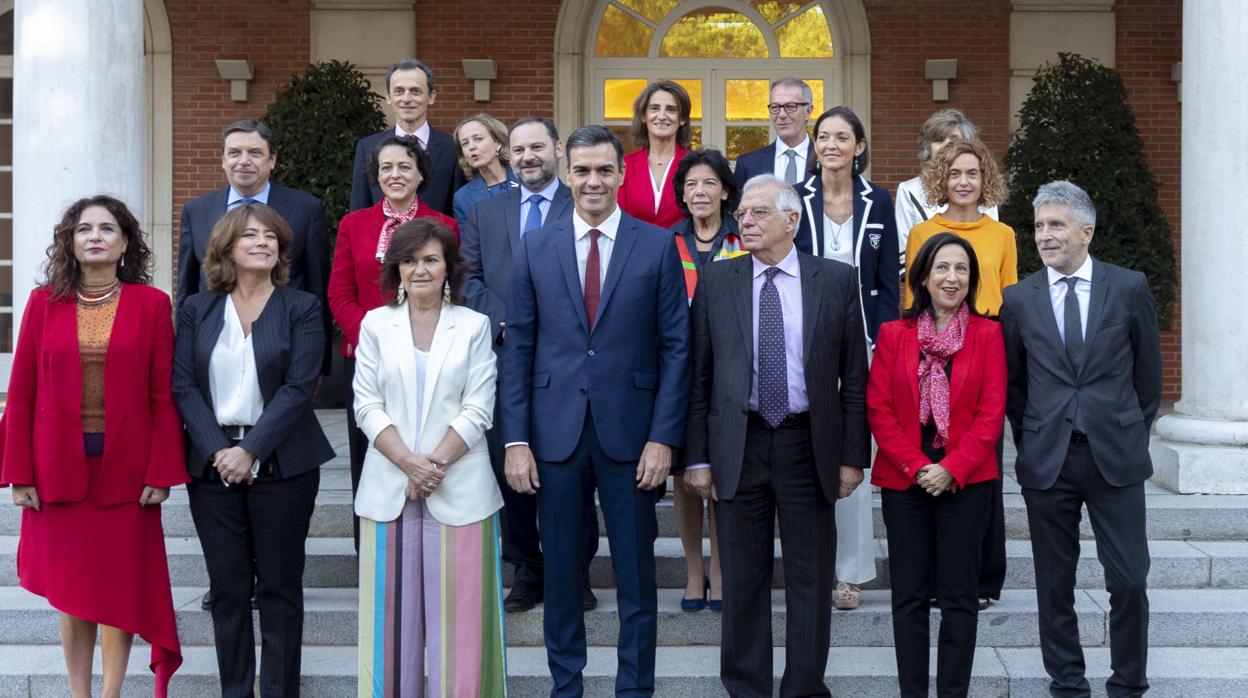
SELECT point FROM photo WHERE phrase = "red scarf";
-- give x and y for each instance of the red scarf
(394, 219)
(938, 348)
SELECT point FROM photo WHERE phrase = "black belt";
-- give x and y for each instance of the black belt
(1078, 437)
(236, 432)
(791, 420)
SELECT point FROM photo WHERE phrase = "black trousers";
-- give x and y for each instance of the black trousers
(1117, 515)
(944, 534)
(992, 557)
(255, 534)
(778, 478)
(357, 445)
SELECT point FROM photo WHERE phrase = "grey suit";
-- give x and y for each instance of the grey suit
(1117, 390)
(791, 471)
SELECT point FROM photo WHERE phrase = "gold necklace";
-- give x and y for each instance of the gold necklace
(98, 295)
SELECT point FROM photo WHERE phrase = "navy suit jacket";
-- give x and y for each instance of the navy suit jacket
(763, 161)
(309, 253)
(874, 241)
(488, 242)
(633, 368)
(438, 188)
(287, 340)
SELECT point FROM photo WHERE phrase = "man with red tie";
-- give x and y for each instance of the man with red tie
(594, 382)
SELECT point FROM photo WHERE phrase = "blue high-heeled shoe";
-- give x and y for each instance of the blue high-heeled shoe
(695, 605)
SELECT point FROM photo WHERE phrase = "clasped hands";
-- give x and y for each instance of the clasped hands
(935, 479)
(424, 475)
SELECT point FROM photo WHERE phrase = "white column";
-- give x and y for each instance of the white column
(1204, 445)
(78, 121)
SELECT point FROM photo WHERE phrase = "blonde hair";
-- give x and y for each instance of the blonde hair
(497, 131)
(936, 172)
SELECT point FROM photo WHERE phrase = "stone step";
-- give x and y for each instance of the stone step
(1179, 618)
(38, 671)
(331, 562)
(1170, 516)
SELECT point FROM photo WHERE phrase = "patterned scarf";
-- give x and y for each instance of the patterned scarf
(937, 349)
(394, 219)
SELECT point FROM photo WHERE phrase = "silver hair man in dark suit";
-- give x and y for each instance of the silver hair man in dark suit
(777, 428)
(1084, 362)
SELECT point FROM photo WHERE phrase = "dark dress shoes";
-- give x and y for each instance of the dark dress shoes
(588, 601)
(523, 597)
(206, 602)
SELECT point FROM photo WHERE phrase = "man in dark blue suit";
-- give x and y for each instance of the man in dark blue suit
(410, 91)
(247, 156)
(595, 376)
(489, 236)
(789, 156)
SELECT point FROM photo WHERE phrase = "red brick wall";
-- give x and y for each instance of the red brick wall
(1149, 42)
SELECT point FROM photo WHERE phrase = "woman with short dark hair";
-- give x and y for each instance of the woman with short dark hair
(431, 597)
(92, 369)
(249, 355)
(935, 402)
(662, 130)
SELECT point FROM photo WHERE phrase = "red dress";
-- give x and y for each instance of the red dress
(637, 193)
(92, 551)
(353, 282)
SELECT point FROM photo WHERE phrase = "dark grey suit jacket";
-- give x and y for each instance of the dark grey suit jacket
(834, 367)
(287, 340)
(1117, 387)
(309, 253)
(488, 241)
(437, 190)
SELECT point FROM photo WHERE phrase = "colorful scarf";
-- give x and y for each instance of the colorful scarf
(394, 219)
(938, 348)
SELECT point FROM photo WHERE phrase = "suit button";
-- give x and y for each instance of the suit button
(590, 352)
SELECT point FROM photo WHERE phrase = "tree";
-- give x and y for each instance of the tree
(1076, 124)
(316, 121)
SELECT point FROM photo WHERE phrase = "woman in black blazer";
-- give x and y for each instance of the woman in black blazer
(247, 357)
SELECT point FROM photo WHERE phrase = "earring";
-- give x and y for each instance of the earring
(855, 164)
(123, 260)
(446, 291)
(400, 296)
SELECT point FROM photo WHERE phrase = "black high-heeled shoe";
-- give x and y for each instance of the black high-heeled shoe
(695, 605)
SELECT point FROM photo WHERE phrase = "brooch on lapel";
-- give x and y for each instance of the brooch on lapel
(875, 240)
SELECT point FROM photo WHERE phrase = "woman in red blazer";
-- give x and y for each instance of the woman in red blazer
(400, 166)
(936, 401)
(92, 442)
(662, 130)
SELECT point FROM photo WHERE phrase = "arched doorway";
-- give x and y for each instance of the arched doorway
(723, 51)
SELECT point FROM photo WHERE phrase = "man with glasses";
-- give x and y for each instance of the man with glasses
(780, 431)
(789, 156)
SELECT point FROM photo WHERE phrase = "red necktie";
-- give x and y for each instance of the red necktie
(593, 287)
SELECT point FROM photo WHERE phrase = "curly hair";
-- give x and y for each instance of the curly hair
(497, 131)
(62, 270)
(219, 270)
(424, 163)
(638, 131)
(936, 172)
(406, 242)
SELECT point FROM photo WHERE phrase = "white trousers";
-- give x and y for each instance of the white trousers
(855, 537)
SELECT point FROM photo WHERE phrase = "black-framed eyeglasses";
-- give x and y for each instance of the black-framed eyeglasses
(788, 107)
(758, 213)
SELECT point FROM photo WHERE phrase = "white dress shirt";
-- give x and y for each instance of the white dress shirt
(789, 285)
(232, 379)
(1083, 292)
(606, 242)
(782, 161)
(422, 134)
(261, 196)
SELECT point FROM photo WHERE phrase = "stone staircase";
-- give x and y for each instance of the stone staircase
(1198, 592)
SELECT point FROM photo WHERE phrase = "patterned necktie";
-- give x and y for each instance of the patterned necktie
(790, 170)
(773, 372)
(242, 202)
(1073, 323)
(593, 287)
(534, 217)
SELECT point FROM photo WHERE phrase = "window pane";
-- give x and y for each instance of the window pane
(6, 34)
(743, 139)
(6, 192)
(694, 88)
(654, 10)
(776, 10)
(746, 100)
(805, 36)
(621, 34)
(713, 32)
(6, 333)
(6, 238)
(6, 288)
(816, 91)
(618, 96)
(6, 98)
(6, 144)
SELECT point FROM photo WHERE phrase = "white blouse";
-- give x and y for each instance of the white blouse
(232, 378)
(838, 240)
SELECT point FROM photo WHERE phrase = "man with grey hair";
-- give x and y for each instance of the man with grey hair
(410, 91)
(789, 156)
(777, 430)
(1084, 361)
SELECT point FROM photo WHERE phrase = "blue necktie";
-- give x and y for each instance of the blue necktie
(773, 371)
(242, 202)
(534, 218)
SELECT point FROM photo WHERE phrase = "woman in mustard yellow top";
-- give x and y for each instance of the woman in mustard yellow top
(964, 176)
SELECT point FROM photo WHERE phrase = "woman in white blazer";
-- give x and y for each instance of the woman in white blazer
(431, 602)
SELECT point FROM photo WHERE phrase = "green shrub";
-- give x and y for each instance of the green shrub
(1076, 124)
(316, 121)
